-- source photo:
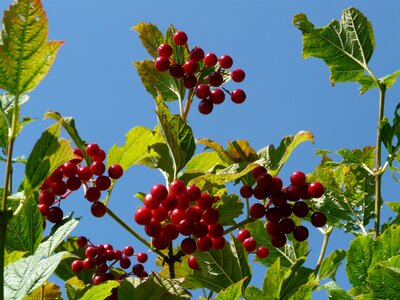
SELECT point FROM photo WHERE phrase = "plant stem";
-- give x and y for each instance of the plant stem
(187, 105)
(238, 225)
(171, 261)
(136, 235)
(378, 150)
(3, 230)
(327, 234)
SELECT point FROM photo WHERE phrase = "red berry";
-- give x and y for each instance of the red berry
(176, 70)
(93, 194)
(177, 215)
(194, 213)
(205, 107)
(58, 188)
(81, 241)
(205, 201)
(200, 229)
(273, 228)
(142, 216)
(44, 209)
(192, 263)
(97, 168)
(159, 214)
(202, 91)
(257, 211)
(238, 75)
(55, 214)
(118, 254)
(215, 79)
(238, 96)
(186, 227)
(115, 171)
(217, 96)
(190, 66)
(218, 242)
(125, 262)
(103, 182)
(210, 59)
(99, 156)
(189, 81)
(84, 173)
(128, 251)
(164, 50)
(92, 149)
(300, 209)
(278, 240)
(102, 268)
(170, 231)
(162, 64)
(160, 242)
(197, 54)
(142, 257)
(300, 233)
(316, 189)
(98, 209)
(274, 214)
(56, 176)
(277, 184)
(225, 61)
(152, 228)
(91, 251)
(47, 198)
(204, 243)
(298, 178)
(193, 192)
(180, 38)
(73, 183)
(177, 187)
(188, 246)
(170, 202)
(89, 263)
(159, 192)
(150, 202)
(286, 225)
(262, 252)
(318, 219)
(210, 216)
(292, 192)
(264, 181)
(246, 191)
(257, 171)
(137, 269)
(243, 234)
(215, 230)
(79, 156)
(249, 244)
(77, 266)
(68, 169)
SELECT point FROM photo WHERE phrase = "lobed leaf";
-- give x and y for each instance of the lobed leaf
(346, 46)
(25, 54)
(150, 36)
(229, 207)
(273, 280)
(331, 264)
(49, 291)
(99, 291)
(233, 292)
(384, 278)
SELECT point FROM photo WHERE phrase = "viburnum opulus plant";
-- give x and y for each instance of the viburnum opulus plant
(216, 208)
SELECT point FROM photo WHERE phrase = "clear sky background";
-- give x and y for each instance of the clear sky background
(94, 81)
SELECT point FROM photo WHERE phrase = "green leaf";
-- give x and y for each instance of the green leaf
(24, 232)
(385, 278)
(305, 291)
(335, 292)
(253, 293)
(220, 269)
(153, 287)
(74, 287)
(99, 291)
(7, 112)
(157, 83)
(367, 82)
(233, 292)
(217, 148)
(345, 46)
(48, 153)
(11, 257)
(204, 162)
(58, 233)
(25, 54)
(150, 36)
(349, 188)
(331, 264)
(177, 134)
(273, 280)
(68, 123)
(47, 291)
(241, 150)
(179, 53)
(277, 157)
(286, 253)
(229, 207)
(27, 274)
(142, 147)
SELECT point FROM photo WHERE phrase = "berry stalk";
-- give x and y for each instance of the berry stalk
(327, 234)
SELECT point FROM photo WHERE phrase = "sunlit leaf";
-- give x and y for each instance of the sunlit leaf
(233, 292)
(150, 36)
(48, 291)
(229, 207)
(331, 264)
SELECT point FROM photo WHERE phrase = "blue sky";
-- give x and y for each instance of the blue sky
(94, 81)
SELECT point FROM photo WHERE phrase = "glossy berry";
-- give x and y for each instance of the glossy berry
(246, 191)
(193, 192)
(47, 198)
(79, 156)
(210, 59)
(73, 183)
(298, 178)
(225, 61)
(210, 216)
(92, 149)
(238, 96)
(278, 240)
(218, 242)
(197, 54)
(204, 243)
(161, 64)
(217, 96)
(300, 209)
(81, 241)
(180, 38)
(243, 234)
(84, 173)
(273, 228)
(192, 263)
(318, 219)
(215, 230)
(103, 182)
(77, 266)
(176, 70)
(99, 156)
(202, 91)
(68, 169)
(98, 209)
(115, 171)
(257, 211)
(142, 257)
(189, 81)
(170, 202)
(93, 194)
(91, 251)
(257, 171)
(164, 50)
(238, 75)
(170, 231)
(205, 107)
(128, 251)
(159, 192)
(177, 187)
(300, 233)
(44, 209)
(249, 244)
(215, 79)
(262, 252)
(316, 189)
(58, 188)
(55, 214)
(125, 262)
(97, 168)
(190, 67)
(188, 246)
(142, 216)
(153, 228)
(137, 269)
(286, 225)
(151, 202)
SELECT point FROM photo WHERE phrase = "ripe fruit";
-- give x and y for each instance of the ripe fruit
(257, 211)
(318, 219)
(298, 178)
(210, 59)
(159, 192)
(190, 66)
(97, 168)
(300, 209)
(225, 61)
(205, 107)
(238, 96)
(300, 233)
(188, 246)
(142, 216)
(142, 257)
(162, 64)
(243, 234)
(204, 243)
(197, 54)
(98, 209)
(77, 266)
(189, 81)
(128, 251)
(249, 244)
(93, 194)
(278, 240)
(176, 70)
(82, 241)
(202, 91)
(177, 187)
(246, 191)
(217, 96)
(316, 189)
(164, 50)
(92, 149)
(215, 79)
(238, 75)
(180, 38)
(192, 263)
(55, 214)
(115, 171)
(262, 252)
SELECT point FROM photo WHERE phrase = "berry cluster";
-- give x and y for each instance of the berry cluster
(181, 210)
(70, 176)
(281, 202)
(250, 244)
(102, 257)
(202, 73)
